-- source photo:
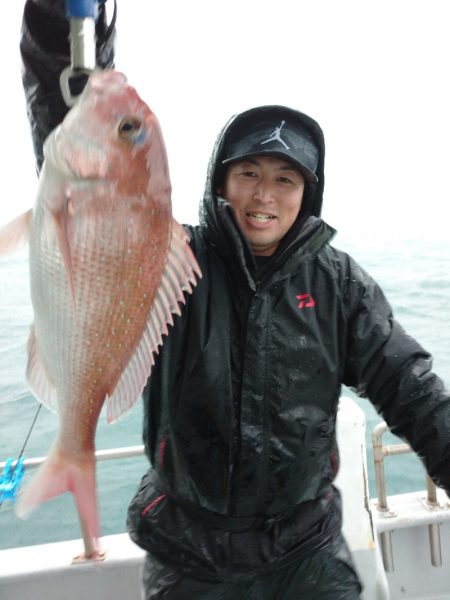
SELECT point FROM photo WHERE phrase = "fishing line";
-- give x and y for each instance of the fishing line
(29, 433)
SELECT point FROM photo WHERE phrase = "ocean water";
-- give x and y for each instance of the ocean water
(415, 276)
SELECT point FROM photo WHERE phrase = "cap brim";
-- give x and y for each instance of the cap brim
(307, 174)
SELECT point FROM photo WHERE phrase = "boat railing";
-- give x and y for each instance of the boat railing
(380, 452)
(100, 455)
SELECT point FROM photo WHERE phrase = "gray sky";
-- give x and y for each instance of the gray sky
(373, 73)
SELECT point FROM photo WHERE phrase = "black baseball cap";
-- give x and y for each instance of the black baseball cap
(274, 131)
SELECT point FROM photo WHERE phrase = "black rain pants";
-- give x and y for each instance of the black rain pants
(324, 574)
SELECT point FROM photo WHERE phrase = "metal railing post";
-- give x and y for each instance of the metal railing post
(433, 529)
(382, 506)
(379, 454)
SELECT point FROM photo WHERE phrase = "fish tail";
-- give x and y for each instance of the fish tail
(61, 473)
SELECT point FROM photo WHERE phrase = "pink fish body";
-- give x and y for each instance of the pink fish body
(108, 268)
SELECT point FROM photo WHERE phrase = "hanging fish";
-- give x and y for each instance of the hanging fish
(108, 267)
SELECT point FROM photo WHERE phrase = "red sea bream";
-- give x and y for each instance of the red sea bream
(108, 268)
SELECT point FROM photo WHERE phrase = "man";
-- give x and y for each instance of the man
(240, 409)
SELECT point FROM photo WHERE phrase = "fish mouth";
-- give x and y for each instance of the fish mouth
(67, 154)
(53, 156)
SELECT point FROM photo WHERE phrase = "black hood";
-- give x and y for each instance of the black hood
(216, 217)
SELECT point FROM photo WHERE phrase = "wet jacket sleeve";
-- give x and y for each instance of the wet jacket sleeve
(389, 367)
(45, 52)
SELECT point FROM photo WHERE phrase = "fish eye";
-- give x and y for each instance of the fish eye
(129, 128)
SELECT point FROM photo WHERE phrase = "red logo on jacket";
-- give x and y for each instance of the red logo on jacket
(306, 301)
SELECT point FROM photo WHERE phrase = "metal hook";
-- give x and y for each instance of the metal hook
(82, 55)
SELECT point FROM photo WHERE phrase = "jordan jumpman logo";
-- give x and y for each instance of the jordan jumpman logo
(275, 136)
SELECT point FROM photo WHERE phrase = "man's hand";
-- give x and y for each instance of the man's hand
(45, 52)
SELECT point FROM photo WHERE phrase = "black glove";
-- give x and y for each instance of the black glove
(45, 51)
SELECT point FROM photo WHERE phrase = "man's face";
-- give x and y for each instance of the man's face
(266, 195)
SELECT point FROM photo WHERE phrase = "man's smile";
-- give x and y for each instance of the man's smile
(262, 217)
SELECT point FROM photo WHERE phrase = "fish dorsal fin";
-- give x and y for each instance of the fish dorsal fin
(15, 234)
(37, 375)
(179, 276)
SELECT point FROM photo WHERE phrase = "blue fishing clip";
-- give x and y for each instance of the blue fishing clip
(82, 9)
(10, 480)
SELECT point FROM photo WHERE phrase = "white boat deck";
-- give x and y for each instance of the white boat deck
(46, 572)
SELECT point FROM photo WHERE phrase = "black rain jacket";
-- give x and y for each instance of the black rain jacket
(240, 409)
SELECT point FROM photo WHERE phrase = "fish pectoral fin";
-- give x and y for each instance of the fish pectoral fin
(62, 221)
(14, 235)
(180, 275)
(37, 375)
(62, 473)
